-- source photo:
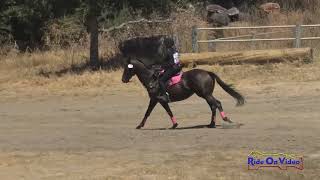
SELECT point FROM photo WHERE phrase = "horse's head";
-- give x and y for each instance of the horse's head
(131, 68)
(128, 72)
(147, 76)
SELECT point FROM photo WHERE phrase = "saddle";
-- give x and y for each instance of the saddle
(172, 81)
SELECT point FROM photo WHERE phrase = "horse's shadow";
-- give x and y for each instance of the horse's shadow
(111, 64)
(181, 128)
(237, 126)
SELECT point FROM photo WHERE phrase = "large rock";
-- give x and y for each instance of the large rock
(219, 19)
(270, 8)
(215, 8)
(220, 16)
(234, 14)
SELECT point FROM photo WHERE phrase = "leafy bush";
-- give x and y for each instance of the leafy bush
(33, 22)
(64, 32)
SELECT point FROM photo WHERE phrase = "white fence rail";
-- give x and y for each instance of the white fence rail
(297, 29)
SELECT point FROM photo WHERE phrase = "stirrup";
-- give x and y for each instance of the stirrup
(164, 98)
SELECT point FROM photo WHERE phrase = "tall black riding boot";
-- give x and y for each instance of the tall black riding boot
(164, 96)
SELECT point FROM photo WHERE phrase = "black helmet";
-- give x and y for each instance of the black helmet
(169, 42)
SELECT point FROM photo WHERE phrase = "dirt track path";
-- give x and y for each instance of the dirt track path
(94, 138)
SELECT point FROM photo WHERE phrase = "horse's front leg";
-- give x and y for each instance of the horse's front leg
(173, 119)
(152, 103)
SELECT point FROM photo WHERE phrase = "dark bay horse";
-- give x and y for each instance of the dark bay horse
(195, 81)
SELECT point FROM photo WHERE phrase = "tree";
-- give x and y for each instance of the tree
(95, 8)
(26, 20)
(92, 23)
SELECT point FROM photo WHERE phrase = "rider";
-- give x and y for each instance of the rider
(171, 67)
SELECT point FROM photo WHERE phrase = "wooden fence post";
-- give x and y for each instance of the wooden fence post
(211, 47)
(253, 36)
(195, 47)
(298, 32)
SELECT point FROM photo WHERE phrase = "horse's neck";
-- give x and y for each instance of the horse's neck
(144, 76)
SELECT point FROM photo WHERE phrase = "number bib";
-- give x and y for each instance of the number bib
(176, 58)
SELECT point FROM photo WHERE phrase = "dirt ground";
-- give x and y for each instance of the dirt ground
(79, 137)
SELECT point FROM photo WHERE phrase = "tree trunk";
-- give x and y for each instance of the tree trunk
(94, 34)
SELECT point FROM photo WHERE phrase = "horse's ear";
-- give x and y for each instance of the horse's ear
(162, 46)
(161, 41)
(128, 60)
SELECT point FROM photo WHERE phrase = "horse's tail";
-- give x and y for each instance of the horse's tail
(229, 89)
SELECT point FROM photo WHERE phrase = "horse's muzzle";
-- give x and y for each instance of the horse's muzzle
(125, 80)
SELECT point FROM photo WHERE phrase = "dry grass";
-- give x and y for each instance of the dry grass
(268, 73)
(19, 76)
(284, 18)
(29, 64)
(290, 15)
(19, 73)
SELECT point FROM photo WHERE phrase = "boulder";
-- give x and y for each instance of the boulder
(219, 19)
(220, 16)
(270, 8)
(215, 8)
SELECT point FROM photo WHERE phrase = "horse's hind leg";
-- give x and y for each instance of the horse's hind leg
(222, 113)
(173, 119)
(211, 102)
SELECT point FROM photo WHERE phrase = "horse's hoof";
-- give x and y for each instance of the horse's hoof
(226, 119)
(139, 127)
(211, 126)
(174, 126)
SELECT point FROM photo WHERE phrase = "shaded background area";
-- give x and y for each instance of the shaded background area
(58, 24)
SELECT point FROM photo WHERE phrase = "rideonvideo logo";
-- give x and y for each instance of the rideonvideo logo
(258, 160)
